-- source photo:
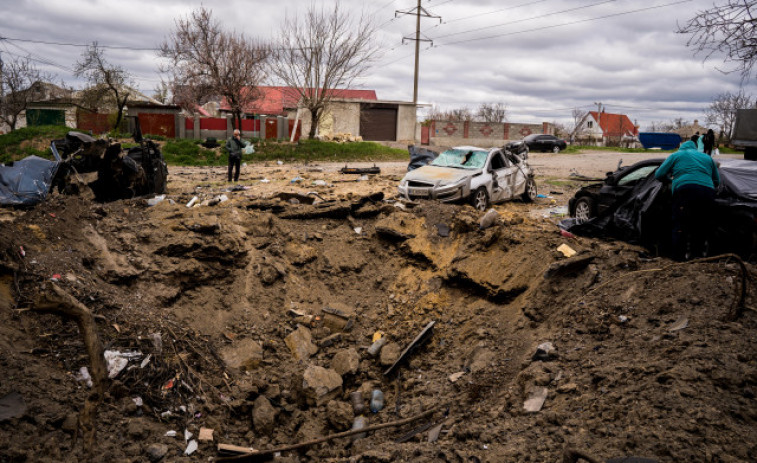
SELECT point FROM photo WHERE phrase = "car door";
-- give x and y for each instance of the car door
(611, 194)
(518, 178)
(501, 182)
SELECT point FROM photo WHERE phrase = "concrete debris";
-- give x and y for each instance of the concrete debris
(566, 250)
(535, 401)
(245, 355)
(300, 343)
(346, 362)
(320, 384)
(545, 351)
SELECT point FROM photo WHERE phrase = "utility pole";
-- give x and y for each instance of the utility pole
(599, 118)
(418, 12)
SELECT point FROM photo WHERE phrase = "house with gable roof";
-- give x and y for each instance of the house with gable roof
(608, 129)
(354, 112)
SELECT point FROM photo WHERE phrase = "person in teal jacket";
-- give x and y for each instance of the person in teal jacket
(695, 177)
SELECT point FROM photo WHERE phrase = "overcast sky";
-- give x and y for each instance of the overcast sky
(540, 57)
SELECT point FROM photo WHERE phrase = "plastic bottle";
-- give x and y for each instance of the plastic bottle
(358, 405)
(377, 400)
(360, 422)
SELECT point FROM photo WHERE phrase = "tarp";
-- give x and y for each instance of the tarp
(27, 181)
(739, 179)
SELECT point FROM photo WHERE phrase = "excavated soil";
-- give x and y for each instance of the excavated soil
(231, 307)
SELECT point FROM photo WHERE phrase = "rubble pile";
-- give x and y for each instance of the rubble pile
(271, 325)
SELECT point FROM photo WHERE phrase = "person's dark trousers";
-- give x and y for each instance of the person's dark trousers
(234, 164)
(693, 220)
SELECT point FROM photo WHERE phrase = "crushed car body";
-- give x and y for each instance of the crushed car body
(26, 182)
(467, 173)
(630, 204)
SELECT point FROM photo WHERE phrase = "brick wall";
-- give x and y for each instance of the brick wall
(483, 134)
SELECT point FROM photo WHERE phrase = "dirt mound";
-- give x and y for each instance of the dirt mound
(253, 317)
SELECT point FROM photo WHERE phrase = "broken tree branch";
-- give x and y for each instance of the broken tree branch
(55, 300)
(262, 455)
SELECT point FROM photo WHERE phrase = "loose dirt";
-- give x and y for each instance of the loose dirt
(224, 302)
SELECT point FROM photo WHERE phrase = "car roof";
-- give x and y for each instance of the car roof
(470, 148)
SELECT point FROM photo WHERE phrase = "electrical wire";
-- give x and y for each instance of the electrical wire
(569, 10)
(566, 24)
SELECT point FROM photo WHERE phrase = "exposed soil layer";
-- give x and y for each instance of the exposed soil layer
(225, 304)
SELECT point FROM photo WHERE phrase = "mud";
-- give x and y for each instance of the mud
(650, 358)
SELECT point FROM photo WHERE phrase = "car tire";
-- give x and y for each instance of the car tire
(585, 209)
(530, 194)
(480, 199)
(555, 149)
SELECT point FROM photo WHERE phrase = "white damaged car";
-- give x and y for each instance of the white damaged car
(476, 175)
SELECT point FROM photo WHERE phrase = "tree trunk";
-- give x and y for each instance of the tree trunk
(238, 121)
(314, 113)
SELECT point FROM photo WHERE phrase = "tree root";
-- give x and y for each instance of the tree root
(56, 301)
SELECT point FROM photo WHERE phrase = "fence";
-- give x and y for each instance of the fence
(484, 134)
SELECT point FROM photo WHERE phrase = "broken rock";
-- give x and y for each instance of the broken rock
(300, 342)
(545, 351)
(346, 361)
(389, 354)
(320, 384)
(244, 355)
(339, 415)
(156, 452)
(263, 415)
(535, 401)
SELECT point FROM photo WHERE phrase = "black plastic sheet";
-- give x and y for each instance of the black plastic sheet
(26, 182)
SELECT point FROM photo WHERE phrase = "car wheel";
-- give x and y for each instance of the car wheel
(530, 194)
(480, 199)
(585, 209)
(555, 149)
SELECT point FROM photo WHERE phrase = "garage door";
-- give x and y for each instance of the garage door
(378, 122)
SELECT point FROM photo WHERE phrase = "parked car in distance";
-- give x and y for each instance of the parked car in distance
(540, 142)
(476, 175)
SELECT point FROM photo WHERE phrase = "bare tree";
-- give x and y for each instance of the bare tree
(204, 61)
(320, 52)
(729, 28)
(109, 84)
(492, 112)
(162, 92)
(579, 123)
(722, 111)
(16, 79)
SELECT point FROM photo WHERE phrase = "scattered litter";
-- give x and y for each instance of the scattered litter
(171, 433)
(156, 200)
(556, 211)
(377, 335)
(566, 234)
(455, 376)
(191, 447)
(489, 219)
(265, 180)
(358, 404)
(376, 346)
(280, 163)
(419, 340)
(377, 400)
(442, 229)
(566, 250)
(187, 435)
(157, 342)
(679, 324)
(541, 196)
(166, 414)
(146, 361)
(296, 179)
(319, 183)
(622, 318)
(55, 277)
(361, 170)
(363, 178)
(233, 450)
(358, 230)
(206, 435)
(192, 201)
(21, 251)
(536, 401)
(360, 422)
(84, 376)
(117, 361)
(12, 406)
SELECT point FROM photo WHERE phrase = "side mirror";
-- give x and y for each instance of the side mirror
(610, 180)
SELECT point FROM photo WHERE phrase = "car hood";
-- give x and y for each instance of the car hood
(440, 175)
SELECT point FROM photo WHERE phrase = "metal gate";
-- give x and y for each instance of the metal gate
(35, 117)
(158, 124)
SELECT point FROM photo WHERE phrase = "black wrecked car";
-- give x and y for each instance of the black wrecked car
(541, 142)
(632, 205)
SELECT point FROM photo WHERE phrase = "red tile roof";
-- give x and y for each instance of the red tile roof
(276, 100)
(615, 125)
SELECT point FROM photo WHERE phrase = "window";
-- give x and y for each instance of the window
(590, 124)
(636, 175)
(498, 162)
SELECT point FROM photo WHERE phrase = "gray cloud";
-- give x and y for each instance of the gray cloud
(634, 63)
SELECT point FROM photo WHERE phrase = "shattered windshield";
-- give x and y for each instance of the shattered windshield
(461, 159)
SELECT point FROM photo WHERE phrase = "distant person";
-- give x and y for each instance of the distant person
(234, 146)
(695, 137)
(695, 177)
(708, 142)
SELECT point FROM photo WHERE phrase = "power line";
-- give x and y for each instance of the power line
(566, 24)
(68, 44)
(464, 18)
(569, 10)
